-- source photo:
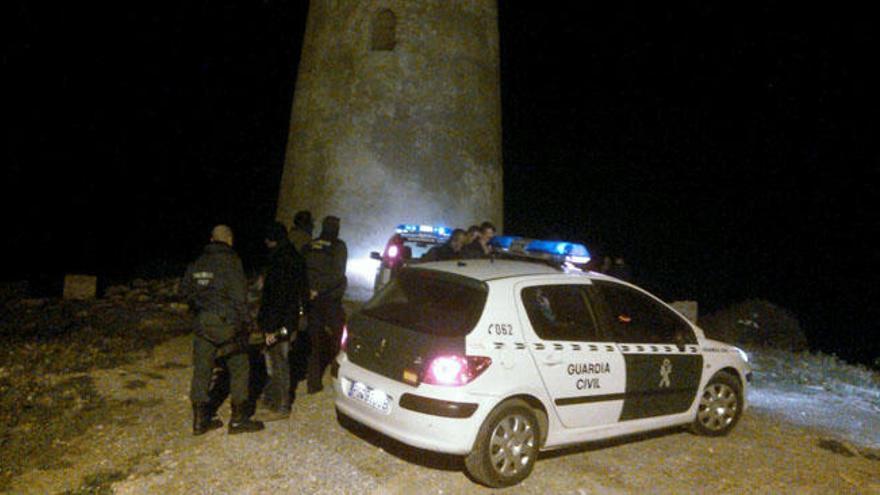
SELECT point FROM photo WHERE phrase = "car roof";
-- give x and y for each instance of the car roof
(487, 269)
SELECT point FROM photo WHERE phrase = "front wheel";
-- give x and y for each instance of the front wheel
(506, 448)
(720, 406)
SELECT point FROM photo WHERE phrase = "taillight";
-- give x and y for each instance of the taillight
(393, 251)
(344, 339)
(454, 370)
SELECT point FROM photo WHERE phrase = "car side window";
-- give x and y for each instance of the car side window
(635, 317)
(559, 312)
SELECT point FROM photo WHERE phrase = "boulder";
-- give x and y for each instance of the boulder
(80, 286)
(758, 323)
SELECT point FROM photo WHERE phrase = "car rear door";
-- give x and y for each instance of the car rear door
(663, 361)
(582, 372)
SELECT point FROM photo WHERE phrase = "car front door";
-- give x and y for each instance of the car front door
(663, 361)
(582, 372)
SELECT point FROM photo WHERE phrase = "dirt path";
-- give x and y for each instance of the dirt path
(152, 451)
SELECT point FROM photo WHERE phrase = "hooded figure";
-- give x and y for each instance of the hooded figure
(283, 294)
(301, 233)
(326, 258)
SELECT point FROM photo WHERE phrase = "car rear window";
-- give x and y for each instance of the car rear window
(418, 248)
(430, 302)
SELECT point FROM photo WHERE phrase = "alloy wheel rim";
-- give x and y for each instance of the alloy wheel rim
(718, 407)
(512, 445)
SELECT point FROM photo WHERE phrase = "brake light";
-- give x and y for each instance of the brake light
(393, 251)
(344, 339)
(454, 370)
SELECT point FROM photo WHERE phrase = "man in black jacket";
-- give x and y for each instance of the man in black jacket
(215, 287)
(449, 250)
(326, 258)
(283, 289)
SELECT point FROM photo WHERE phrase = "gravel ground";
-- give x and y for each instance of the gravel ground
(148, 449)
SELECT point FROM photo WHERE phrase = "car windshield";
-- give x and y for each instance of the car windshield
(431, 302)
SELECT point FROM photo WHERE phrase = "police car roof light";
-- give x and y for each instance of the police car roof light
(542, 249)
(503, 241)
(408, 228)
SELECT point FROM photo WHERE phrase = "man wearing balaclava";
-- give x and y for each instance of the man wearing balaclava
(284, 291)
(326, 258)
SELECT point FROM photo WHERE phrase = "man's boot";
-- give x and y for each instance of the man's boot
(204, 419)
(240, 421)
(273, 414)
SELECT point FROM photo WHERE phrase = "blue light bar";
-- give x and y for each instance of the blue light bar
(503, 241)
(408, 228)
(542, 249)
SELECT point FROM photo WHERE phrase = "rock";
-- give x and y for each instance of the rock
(34, 302)
(80, 286)
(136, 294)
(756, 322)
(838, 447)
(148, 323)
(116, 291)
(13, 290)
(177, 307)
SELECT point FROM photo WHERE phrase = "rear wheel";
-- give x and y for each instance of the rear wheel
(506, 447)
(720, 406)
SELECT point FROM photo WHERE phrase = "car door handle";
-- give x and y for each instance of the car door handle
(553, 359)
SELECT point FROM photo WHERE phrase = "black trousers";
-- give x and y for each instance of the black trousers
(326, 318)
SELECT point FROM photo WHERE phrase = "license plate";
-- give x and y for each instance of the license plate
(370, 396)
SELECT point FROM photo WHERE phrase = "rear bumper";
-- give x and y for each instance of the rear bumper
(436, 407)
(444, 423)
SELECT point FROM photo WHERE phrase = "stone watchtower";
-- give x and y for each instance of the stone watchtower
(396, 117)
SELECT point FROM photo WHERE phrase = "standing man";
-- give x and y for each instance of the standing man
(300, 236)
(215, 287)
(326, 258)
(301, 232)
(278, 319)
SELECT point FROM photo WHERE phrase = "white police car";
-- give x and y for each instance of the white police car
(408, 243)
(497, 359)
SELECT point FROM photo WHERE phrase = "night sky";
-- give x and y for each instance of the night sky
(727, 150)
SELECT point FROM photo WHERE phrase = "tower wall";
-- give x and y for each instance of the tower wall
(412, 134)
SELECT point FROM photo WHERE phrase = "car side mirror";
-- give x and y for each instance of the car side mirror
(376, 256)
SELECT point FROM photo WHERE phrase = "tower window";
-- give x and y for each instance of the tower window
(384, 35)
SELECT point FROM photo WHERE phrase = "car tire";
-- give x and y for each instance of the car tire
(506, 447)
(720, 406)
